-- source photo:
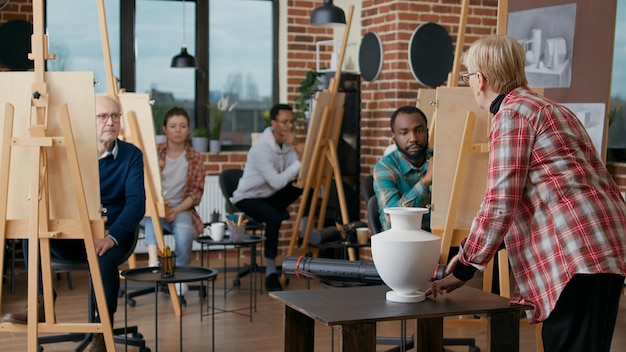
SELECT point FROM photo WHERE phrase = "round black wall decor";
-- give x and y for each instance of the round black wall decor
(370, 56)
(15, 45)
(430, 54)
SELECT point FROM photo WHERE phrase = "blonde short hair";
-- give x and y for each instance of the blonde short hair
(501, 60)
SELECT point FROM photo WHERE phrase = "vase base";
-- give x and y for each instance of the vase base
(414, 297)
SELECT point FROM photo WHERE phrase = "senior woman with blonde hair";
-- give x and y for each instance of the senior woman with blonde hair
(550, 200)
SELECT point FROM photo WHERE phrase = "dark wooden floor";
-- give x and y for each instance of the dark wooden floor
(233, 332)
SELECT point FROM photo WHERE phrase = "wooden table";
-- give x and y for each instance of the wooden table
(356, 310)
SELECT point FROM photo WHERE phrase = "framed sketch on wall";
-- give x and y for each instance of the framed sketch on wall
(588, 45)
(547, 35)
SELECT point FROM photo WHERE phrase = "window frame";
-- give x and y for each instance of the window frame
(128, 72)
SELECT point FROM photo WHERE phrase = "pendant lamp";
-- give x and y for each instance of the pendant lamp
(328, 15)
(183, 59)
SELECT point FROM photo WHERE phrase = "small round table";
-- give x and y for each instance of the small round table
(181, 274)
(248, 240)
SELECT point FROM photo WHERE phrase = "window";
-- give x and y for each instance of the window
(74, 37)
(240, 64)
(159, 35)
(240, 49)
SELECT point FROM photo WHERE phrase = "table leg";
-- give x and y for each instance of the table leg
(253, 269)
(429, 334)
(180, 325)
(213, 315)
(402, 335)
(251, 285)
(359, 337)
(225, 270)
(125, 314)
(299, 331)
(503, 331)
(156, 317)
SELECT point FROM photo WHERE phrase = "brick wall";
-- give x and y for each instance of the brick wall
(17, 10)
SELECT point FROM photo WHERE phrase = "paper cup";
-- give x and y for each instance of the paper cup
(362, 235)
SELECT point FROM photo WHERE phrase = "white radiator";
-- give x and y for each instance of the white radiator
(212, 200)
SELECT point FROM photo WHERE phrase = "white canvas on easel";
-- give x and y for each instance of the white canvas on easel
(76, 89)
(139, 103)
(452, 107)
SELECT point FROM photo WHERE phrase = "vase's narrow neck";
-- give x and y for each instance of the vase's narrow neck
(406, 221)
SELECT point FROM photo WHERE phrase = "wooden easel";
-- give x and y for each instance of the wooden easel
(34, 188)
(450, 232)
(320, 163)
(131, 103)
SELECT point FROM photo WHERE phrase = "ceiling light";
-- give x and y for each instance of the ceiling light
(183, 59)
(328, 15)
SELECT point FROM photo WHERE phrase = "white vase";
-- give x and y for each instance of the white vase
(200, 144)
(405, 256)
(215, 146)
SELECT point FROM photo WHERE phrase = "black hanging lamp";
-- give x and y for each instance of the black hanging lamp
(183, 59)
(328, 15)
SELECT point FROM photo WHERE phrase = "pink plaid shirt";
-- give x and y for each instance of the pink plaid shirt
(550, 199)
(194, 185)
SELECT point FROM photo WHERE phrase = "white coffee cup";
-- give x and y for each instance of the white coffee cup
(217, 231)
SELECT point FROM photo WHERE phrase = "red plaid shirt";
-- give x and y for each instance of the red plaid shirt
(550, 199)
(194, 185)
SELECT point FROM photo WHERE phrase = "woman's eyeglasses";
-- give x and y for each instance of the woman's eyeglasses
(465, 76)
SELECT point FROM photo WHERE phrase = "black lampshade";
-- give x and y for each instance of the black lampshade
(328, 15)
(183, 59)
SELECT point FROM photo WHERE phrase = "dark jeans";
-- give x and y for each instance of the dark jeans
(109, 266)
(271, 211)
(585, 314)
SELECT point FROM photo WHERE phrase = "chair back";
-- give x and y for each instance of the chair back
(373, 216)
(367, 188)
(229, 180)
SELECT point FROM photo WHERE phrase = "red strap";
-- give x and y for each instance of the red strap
(297, 265)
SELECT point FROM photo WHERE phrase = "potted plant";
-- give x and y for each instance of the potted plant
(308, 87)
(217, 112)
(200, 140)
(217, 119)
